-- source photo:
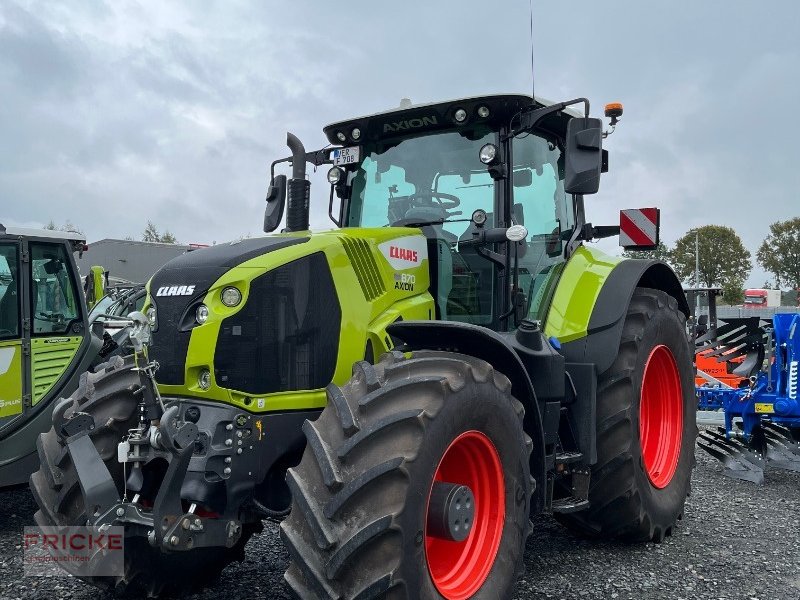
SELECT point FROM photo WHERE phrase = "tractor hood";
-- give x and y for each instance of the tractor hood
(198, 269)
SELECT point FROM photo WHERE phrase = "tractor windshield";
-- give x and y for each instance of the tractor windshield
(423, 179)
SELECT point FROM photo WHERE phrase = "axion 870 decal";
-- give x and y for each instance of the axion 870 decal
(405, 252)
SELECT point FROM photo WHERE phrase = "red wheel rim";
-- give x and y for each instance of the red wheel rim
(458, 569)
(661, 416)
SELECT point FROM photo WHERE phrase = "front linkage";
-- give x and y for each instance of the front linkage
(217, 439)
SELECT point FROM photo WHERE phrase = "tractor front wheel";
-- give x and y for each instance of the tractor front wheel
(646, 428)
(414, 484)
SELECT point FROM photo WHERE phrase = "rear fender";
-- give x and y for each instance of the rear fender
(604, 329)
(490, 346)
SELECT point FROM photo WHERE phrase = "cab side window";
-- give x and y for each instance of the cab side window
(54, 298)
(9, 292)
(542, 205)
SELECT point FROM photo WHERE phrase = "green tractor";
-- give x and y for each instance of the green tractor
(404, 392)
(45, 339)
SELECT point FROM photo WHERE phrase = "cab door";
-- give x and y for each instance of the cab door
(12, 370)
(57, 324)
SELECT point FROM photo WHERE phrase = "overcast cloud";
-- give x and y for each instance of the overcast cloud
(115, 113)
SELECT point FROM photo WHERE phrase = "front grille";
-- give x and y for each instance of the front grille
(169, 345)
(287, 335)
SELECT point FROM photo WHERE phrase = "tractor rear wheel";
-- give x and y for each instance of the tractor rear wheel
(107, 395)
(414, 484)
(646, 428)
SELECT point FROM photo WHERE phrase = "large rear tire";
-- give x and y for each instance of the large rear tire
(107, 395)
(358, 527)
(646, 428)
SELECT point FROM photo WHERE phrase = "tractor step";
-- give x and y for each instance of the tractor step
(569, 505)
(567, 458)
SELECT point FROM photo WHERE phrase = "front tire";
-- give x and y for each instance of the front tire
(646, 428)
(358, 527)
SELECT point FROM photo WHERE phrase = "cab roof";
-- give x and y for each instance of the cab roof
(42, 233)
(429, 117)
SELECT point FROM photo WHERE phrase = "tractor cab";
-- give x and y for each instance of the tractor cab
(465, 172)
(44, 338)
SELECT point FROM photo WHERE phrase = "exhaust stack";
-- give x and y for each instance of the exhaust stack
(299, 188)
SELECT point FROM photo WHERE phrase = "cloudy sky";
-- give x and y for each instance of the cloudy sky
(118, 112)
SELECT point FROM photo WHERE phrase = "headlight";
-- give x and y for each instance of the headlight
(231, 296)
(201, 314)
(204, 379)
(488, 154)
(334, 175)
(460, 115)
(151, 316)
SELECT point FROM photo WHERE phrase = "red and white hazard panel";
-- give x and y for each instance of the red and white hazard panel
(639, 227)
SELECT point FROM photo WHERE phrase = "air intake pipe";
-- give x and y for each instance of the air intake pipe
(299, 188)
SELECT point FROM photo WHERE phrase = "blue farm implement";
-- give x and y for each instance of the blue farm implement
(762, 418)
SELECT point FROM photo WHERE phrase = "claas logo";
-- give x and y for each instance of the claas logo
(175, 290)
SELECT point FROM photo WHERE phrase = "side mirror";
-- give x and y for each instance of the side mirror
(583, 160)
(276, 201)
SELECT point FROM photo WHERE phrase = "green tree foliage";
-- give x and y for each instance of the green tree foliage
(723, 257)
(732, 292)
(660, 252)
(151, 234)
(780, 253)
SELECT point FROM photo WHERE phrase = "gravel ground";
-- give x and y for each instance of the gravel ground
(736, 541)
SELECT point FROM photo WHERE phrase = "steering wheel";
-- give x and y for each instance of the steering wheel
(445, 201)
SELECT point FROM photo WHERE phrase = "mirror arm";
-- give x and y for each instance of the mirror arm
(591, 232)
(529, 120)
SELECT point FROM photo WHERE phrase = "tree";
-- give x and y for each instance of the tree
(68, 226)
(733, 292)
(151, 235)
(723, 257)
(660, 252)
(780, 252)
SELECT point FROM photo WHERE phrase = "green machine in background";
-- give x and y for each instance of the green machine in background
(45, 342)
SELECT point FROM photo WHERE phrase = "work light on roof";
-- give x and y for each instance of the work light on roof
(460, 115)
(483, 111)
(355, 134)
(341, 136)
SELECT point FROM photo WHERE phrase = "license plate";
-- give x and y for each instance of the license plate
(346, 156)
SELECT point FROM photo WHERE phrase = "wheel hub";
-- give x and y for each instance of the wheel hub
(451, 511)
